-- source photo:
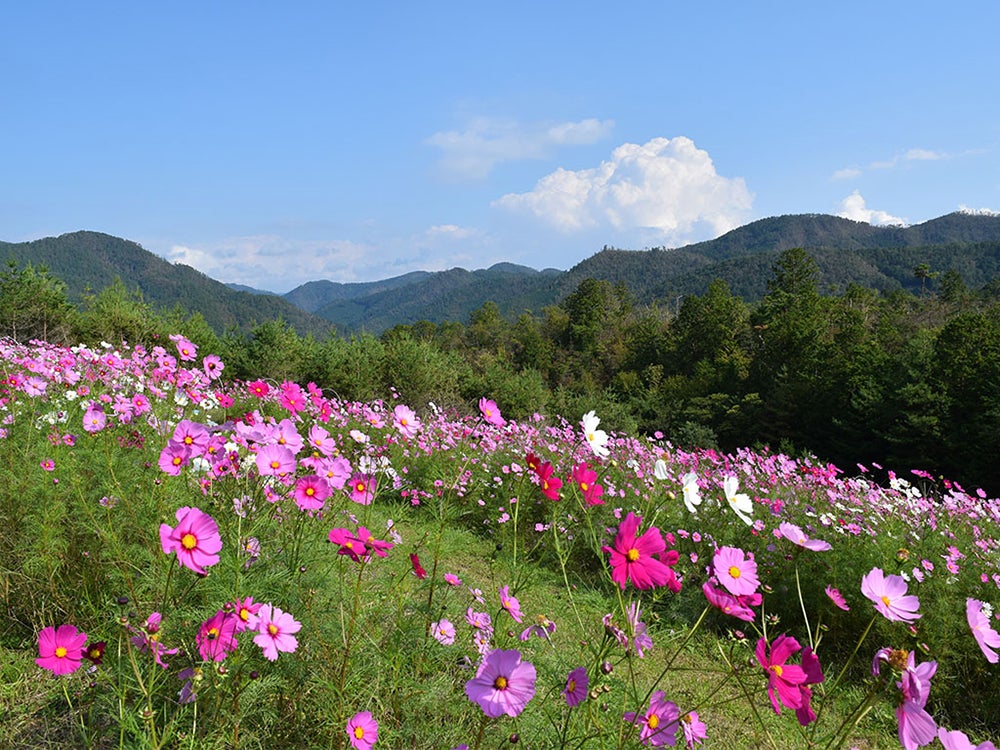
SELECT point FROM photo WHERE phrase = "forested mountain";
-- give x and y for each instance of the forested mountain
(846, 252)
(88, 262)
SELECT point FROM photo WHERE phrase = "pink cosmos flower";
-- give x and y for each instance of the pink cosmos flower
(361, 488)
(405, 421)
(549, 484)
(173, 458)
(577, 683)
(491, 412)
(783, 680)
(213, 366)
(694, 729)
(956, 740)
(147, 639)
(837, 598)
(185, 349)
(275, 461)
(452, 580)
(443, 632)
(191, 435)
(888, 593)
(510, 603)
(640, 638)
(543, 628)
(727, 603)
(794, 534)
(735, 571)
(362, 730)
(275, 632)
(48, 464)
(195, 539)
(320, 441)
(216, 637)
(503, 684)
(987, 638)
(258, 388)
(658, 726)
(311, 492)
(246, 611)
(814, 675)
(94, 419)
(916, 726)
(632, 558)
(349, 544)
(586, 479)
(418, 569)
(60, 650)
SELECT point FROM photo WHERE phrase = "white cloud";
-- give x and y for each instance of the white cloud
(963, 209)
(853, 207)
(450, 232)
(472, 153)
(911, 155)
(666, 185)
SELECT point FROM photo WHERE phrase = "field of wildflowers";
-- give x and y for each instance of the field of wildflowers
(190, 562)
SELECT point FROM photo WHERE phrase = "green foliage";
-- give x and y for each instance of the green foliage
(34, 305)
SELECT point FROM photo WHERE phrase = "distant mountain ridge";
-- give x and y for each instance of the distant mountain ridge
(846, 252)
(89, 262)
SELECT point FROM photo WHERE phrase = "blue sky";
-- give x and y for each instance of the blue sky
(272, 144)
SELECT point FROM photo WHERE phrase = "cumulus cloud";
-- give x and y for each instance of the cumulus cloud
(666, 185)
(472, 153)
(854, 207)
(963, 209)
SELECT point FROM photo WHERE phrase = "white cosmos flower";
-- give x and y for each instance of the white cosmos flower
(741, 503)
(597, 439)
(660, 470)
(692, 495)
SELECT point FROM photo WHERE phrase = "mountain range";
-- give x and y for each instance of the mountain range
(846, 252)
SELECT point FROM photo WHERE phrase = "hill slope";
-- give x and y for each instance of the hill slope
(89, 262)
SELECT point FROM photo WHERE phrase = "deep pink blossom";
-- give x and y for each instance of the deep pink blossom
(727, 603)
(195, 539)
(503, 684)
(491, 412)
(548, 482)
(275, 460)
(510, 603)
(888, 593)
(586, 479)
(216, 637)
(60, 650)
(694, 728)
(783, 680)
(633, 558)
(311, 492)
(837, 598)
(361, 488)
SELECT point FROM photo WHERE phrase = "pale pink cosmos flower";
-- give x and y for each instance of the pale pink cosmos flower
(275, 460)
(956, 740)
(405, 421)
(275, 631)
(195, 539)
(503, 684)
(510, 603)
(794, 534)
(987, 638)
(443, 632)
(735, 571)
(888, 593)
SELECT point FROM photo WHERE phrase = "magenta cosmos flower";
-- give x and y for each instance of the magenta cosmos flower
(216, 637)
(510, 603)
(632, 557)
(735, 571)
(275, 632)
(195, 539)
(577, 683)
(916, 726)
(503, 684)
(362, 729)
(491, 412)
(837, 598)
(658, 726)
(987, 638)
(888, 593)
(586, 479)
(796, 535)
(311, 492)
(361, 488)
(60, 650)
(783, 680)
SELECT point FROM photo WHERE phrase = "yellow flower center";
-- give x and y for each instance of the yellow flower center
(632, 555)
(359, 487)
(734, 571)
(177, 461)
(584, 486)
(359, 733)
(60, 651)
(885, 601)
(273, 629)
(776, 668)
(500, 683)
(571, 686)
(652, 721)
(189, 541)
(310, 491)
(212, 634)
(244, 614)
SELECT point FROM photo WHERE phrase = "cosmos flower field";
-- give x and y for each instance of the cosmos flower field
(192, 562)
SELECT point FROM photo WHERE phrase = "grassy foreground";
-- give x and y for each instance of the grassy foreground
(261, 565)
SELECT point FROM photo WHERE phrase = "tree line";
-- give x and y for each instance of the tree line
(907, 380)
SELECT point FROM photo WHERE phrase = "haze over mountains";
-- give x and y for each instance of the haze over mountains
(846, 252)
